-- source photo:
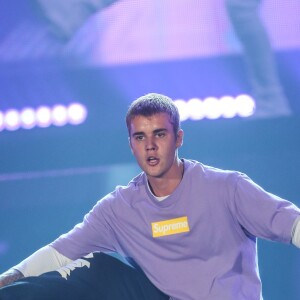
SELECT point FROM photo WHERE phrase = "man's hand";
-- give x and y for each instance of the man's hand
(10, 276)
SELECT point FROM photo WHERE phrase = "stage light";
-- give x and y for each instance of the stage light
(59, 115)
(27, 118)
(245, 105)
(183, 109)
(43, 116)
(228, 107)
(77, 113)
(214, 108)
(196, 109)
(11, 120)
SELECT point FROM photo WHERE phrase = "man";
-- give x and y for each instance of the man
(190, 228)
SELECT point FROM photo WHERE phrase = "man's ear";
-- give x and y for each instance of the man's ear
(179, 138)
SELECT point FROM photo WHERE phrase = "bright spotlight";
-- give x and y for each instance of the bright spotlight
(245, 105)
(228, 106)
(183, 109)
(12, 120)
(77, 113)
(27, 118)
(212, 108)
(59, 115)
(43, 116)
(196, 109)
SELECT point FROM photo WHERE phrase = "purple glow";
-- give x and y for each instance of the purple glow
(28, 118)
(43, 116)
(77, 113)
(204, 30)
(12, 120)
(59, 115)
(4, 247)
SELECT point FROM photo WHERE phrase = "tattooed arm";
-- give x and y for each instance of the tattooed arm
(43, 260)
(10, 276)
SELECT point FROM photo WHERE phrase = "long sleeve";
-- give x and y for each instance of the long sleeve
(43, 260)
(296, 233)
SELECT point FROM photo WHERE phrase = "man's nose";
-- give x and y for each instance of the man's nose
(150, 144)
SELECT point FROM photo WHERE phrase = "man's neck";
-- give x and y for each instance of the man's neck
(165, 186)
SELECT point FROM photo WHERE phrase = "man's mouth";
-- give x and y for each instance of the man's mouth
(152, 161)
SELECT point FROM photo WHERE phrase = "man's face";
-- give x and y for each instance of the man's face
(154, 145)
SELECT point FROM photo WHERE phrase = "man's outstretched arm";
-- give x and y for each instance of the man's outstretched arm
(44, 260)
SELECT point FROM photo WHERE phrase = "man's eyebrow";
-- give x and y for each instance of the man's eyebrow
(159, 130)
(138, 133)
(154, 131)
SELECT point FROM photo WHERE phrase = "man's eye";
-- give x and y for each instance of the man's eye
(160, 134)
(139, 137)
